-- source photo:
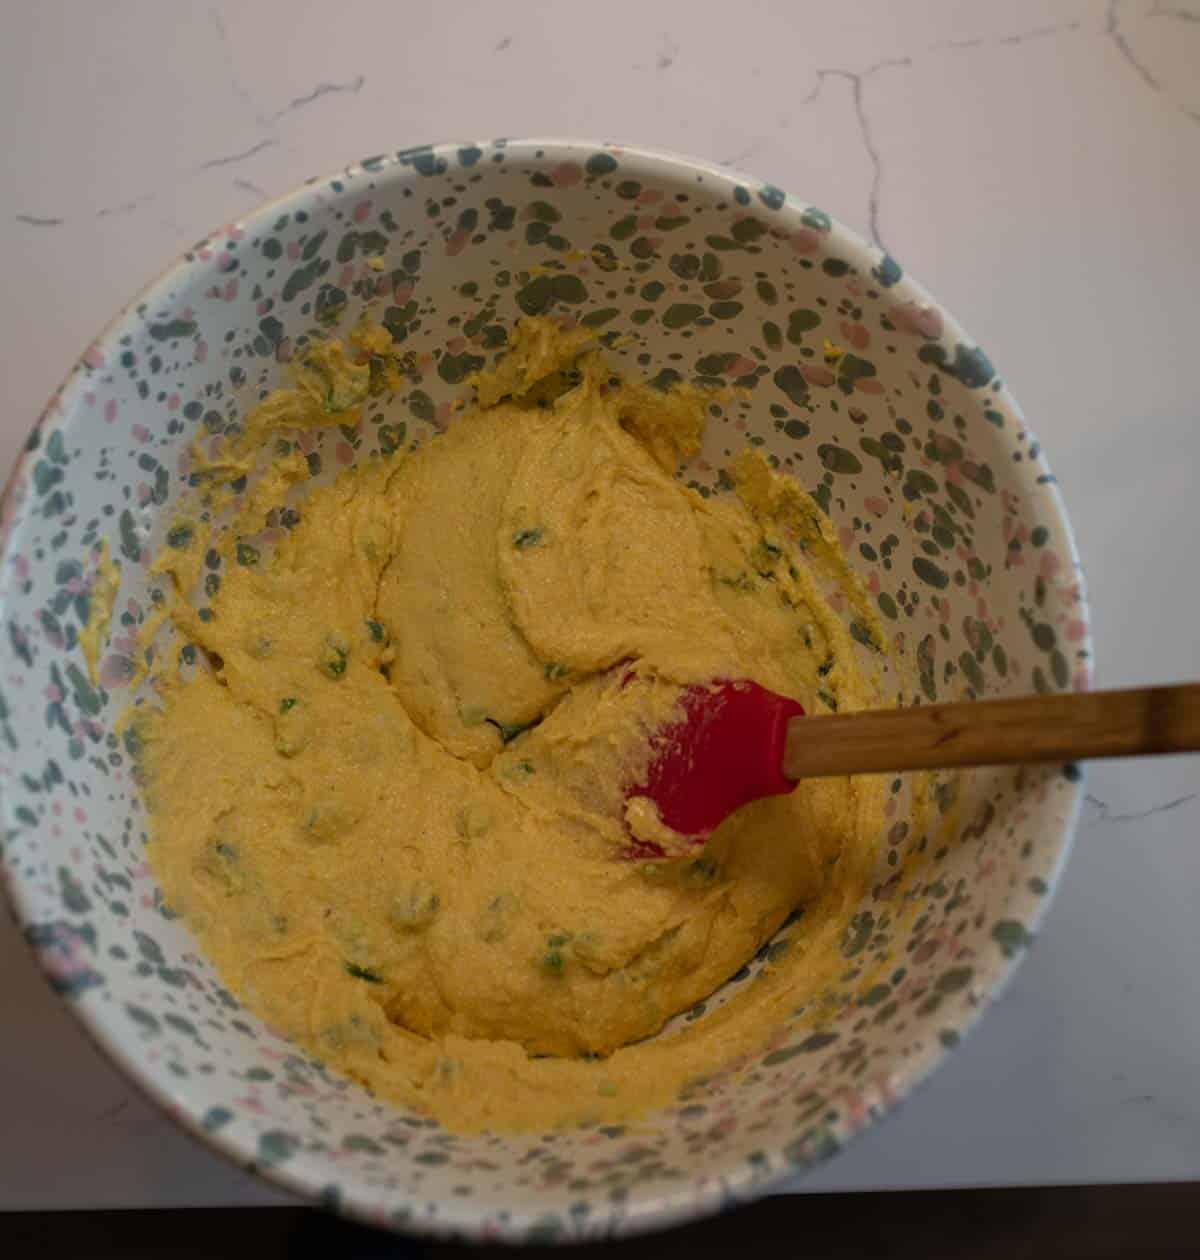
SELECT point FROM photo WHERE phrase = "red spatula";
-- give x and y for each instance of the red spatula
(738, 742)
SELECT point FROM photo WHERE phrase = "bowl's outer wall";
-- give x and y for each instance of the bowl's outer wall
(855, 381)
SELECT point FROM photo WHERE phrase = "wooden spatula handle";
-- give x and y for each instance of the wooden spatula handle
(1061, 727)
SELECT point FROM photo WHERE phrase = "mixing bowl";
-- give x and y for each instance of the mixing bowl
(861, 386)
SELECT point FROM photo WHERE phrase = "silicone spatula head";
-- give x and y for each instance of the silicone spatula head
(724, 752)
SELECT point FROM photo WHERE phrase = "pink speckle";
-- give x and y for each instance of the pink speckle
(225, 261)
(873, 583)
(90, 398)
(20, 566)
(80, 815)
(344, 454)
(845, 537)
(567, 174)
(204, 253)
(293, 251)
(875, 505)
(93, 358)
(263, 307)
(143, 494)
(1075, 631)
(816, 375)
(116, 671)
(924, 952)
(865, 385)
(855, 335)
(916, 320)
(201, 354)
(403, 292)
(806, 241)
(456, 242)
(456, 345)
(53, 694)
(110, 410)
(140, 432)
(741, 366)
(646, 221)
(362, 212)
(1050, 565)
(1083, 679)
(173, 401)
(648, 196)
(441, 417)
(230, 291)
(346, 275)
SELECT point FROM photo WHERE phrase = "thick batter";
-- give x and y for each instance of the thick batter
(392, 806)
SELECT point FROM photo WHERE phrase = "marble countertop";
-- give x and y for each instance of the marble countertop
(1036, 164)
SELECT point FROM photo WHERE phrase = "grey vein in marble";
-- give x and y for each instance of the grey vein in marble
(1177, 15)
(1007, 41)
(37, 220)
(1105, 815)
(125, 207)
(354, 86)
(741, 155)
(856, 78)
(266, 122)
(111, 1113)
(229, 158)
(1112, 28)
(240, 89)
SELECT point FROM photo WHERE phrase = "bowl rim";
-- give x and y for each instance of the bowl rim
(469, 1219)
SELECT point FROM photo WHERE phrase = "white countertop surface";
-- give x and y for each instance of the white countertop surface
(1035, 164)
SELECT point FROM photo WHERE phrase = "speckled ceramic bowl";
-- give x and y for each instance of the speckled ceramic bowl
(860, 386)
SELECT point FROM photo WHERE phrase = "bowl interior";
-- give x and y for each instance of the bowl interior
(854, 381)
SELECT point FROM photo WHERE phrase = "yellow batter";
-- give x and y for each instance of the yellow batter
(391, 806)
